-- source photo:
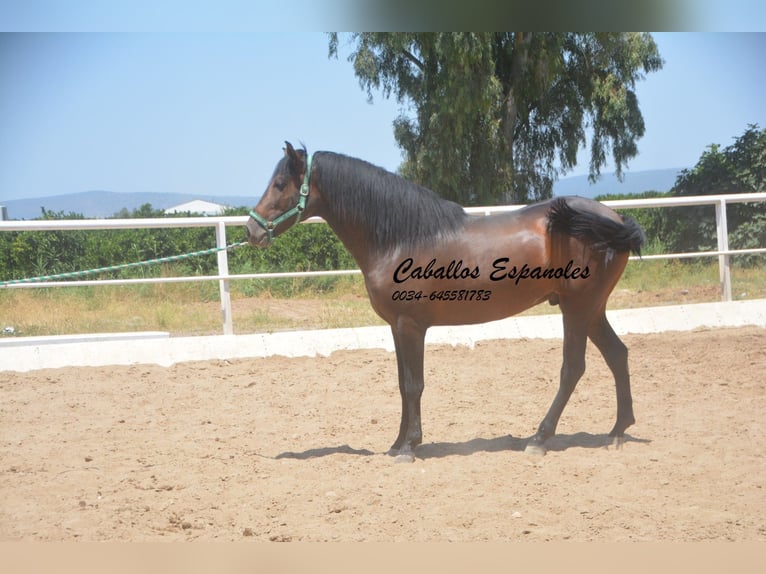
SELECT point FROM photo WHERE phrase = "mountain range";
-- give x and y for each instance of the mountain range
(100, 204)
(661, 180)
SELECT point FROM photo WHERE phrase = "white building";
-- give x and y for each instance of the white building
(198, 206)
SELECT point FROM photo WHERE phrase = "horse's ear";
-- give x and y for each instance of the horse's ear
(294, 159)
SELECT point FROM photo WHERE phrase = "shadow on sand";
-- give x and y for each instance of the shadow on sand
(557, 443)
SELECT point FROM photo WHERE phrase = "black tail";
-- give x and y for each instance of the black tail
(601, 233)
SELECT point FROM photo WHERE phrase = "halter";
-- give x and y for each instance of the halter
(270, 226)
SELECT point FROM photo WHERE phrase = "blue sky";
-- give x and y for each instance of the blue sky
(207, 113)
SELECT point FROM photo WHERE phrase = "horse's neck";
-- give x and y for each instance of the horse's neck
(353, 235)
(353, 238)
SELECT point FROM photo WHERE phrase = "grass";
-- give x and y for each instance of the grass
(653, 282)
(181, 308)
(194, 308)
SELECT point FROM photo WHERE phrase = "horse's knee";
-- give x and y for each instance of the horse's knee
(413, 393)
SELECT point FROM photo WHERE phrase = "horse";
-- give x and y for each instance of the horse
(426, 262)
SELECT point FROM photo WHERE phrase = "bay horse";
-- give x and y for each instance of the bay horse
(426, 262)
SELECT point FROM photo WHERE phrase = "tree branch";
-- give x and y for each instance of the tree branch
(411, 57)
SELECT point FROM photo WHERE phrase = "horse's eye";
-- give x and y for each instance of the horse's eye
(280, 184)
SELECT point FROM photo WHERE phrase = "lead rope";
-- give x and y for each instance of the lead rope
(148, 262)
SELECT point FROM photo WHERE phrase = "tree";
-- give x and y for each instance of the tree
(497, 117)
(738, 168)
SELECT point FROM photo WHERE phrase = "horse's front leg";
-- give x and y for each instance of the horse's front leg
(409, 341)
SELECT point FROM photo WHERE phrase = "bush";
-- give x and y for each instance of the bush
(738, 168)
(653, 220)
(750, 235)
(306, 247)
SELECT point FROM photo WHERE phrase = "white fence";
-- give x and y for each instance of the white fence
(224, 277)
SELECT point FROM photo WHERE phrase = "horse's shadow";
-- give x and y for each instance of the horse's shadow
(557, 443)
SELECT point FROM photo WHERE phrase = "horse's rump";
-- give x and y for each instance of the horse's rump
(601, 233)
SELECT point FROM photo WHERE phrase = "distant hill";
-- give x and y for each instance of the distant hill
(99, 204)
(633, 182)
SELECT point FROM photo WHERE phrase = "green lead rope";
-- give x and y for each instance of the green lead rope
(73, 274)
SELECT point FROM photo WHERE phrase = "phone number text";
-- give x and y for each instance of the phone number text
(446, 295)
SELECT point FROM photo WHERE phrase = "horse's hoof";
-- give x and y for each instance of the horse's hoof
(404, 457)
(534, 449)
(618, 442)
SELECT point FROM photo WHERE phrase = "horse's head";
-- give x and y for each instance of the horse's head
(284, 202)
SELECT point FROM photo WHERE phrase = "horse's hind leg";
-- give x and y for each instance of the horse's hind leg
(572, 368)
(616, 356)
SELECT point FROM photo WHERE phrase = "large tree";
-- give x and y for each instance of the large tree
(497, 117)
(737, 168)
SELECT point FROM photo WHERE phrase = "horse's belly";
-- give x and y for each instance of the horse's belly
(488, 304)
(464, 302)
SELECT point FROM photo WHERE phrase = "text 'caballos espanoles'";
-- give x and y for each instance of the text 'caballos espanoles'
(501, 270)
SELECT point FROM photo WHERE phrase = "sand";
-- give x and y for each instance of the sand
(294, 449)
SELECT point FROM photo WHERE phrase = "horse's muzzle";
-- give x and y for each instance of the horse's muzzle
(256, 235)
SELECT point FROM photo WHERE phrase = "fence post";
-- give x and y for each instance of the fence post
(223, 284)
(724, 272)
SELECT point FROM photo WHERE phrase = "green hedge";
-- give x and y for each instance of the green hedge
(308, 247)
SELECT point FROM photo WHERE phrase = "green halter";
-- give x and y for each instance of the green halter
(271, 225)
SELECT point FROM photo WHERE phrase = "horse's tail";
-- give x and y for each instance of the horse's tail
(598, 231)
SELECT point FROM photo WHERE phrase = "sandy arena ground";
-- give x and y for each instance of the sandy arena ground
(293, 449)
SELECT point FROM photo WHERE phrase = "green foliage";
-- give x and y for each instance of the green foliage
(738, 168)
(496, 117)
(655, 221)
(306, 247)
(750, 235)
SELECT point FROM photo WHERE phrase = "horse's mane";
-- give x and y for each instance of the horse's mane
(396, 213)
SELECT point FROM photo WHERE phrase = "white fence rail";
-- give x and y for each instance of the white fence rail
(224, 277)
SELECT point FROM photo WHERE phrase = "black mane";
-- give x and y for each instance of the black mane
(396, 213)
